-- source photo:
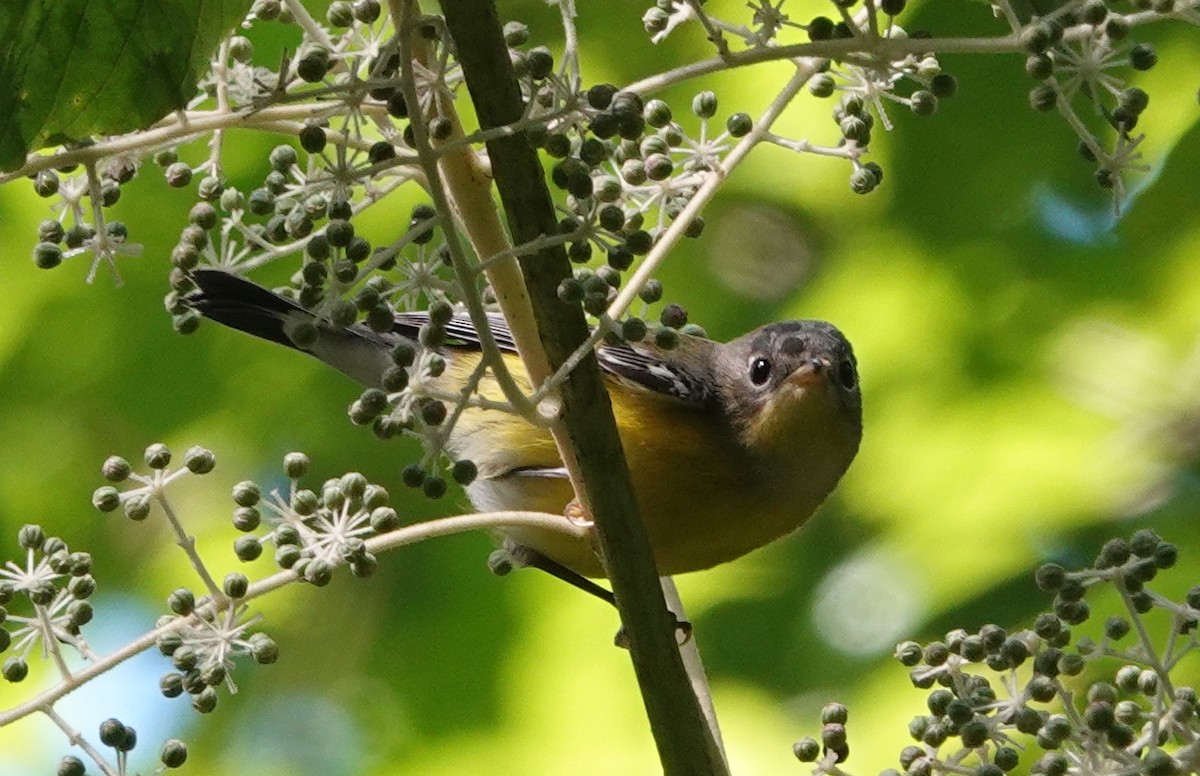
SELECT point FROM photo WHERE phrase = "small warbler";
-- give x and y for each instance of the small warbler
(730, 445)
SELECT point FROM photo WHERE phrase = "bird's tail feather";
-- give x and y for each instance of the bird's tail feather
(243, 305)
(240, 304)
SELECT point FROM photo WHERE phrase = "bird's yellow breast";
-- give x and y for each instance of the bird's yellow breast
(704, 500)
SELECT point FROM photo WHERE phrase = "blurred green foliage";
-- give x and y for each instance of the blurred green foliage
(1030, 373)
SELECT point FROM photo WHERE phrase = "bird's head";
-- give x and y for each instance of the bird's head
(791, 392)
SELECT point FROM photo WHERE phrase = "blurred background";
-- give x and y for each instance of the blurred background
(1031, 379)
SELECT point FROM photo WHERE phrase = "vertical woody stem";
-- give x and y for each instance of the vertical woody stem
(586, 432)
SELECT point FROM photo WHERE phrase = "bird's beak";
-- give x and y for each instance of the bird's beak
(809, 372)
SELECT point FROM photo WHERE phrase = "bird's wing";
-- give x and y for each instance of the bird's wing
(638, 366)
(460, 331)
(655, 371)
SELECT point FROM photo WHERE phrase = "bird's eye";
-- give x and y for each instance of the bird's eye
(846, 375)
(760, 370)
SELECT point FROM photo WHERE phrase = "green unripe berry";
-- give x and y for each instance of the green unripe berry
(943, 85)
(600, 96)
(1036, 38)
(433, 487)
(739, 124)
(51, 230)
(516, 34)
(174, 753)
(136, 508)
(47, 255)
(45, 183)
(1039, 66)
(313, 138)
(1094, 12)
(806, 750)
(464, 472)
(247, 549)
(704, 104)
(820, 28)
(178, 175)
(112, 732)
(71, 766)
(1143, 56)
(412, 475)
(821, 85)
(923, 103)
(366, 11)
(313, 65)
(657, 114)
(1116, 28)
(198, 460)
(246, 493)
(1043, 98)
(282, 158)
(863, 181)
(236, 584)
(106, 499)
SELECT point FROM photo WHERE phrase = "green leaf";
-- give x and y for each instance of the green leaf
(70, 69)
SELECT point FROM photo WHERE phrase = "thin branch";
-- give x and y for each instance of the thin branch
(76, 738)
(710, 30)
(312, 29)
(401, 537)
(187, 543)
(886, 49)
(181, 127)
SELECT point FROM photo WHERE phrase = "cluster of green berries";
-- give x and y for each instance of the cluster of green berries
(55, 240)
(393, 408)
(833, 741)
(1110, 28)
(272, 11)
(824, 28)
(332, 251)
(123, 738)
(136, 502)
(56, 582)
(312, 532)
(400, 406)
(334, 259)
(855, 121)
(397, 409)
(595, 289)
(626, 154)
(532, 66)
(619, 161)
(1128, 564)
(344, 14)
(202, 644)
(965, 706)
(1082, 65)
(631, 157)
(431, 483)
(384, 85)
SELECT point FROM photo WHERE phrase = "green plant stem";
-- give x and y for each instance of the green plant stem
(187, 543)
(686, 745)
